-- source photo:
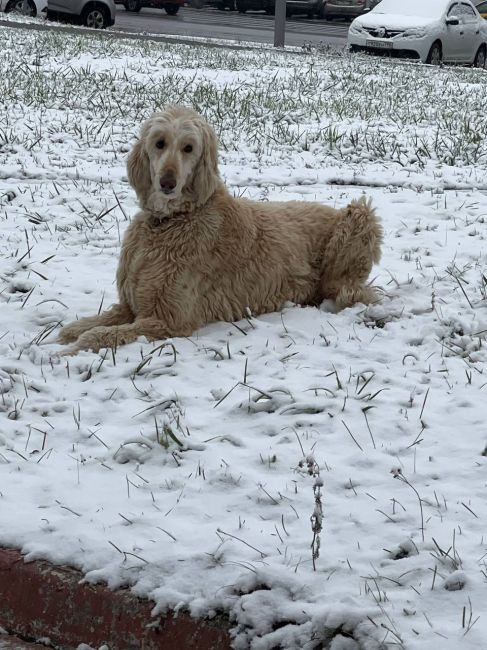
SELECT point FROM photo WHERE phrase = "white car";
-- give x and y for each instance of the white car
(430, 30)
(34, 7)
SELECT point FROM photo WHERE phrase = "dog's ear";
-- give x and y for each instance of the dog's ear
(205, 176)
(138, 169)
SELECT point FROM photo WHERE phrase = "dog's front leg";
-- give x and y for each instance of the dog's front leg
(116, 315)
(112, 337)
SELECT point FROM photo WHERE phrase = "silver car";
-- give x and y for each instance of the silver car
(97, 14)
(348, 8)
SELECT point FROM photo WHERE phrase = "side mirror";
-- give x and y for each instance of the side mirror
(452, 20)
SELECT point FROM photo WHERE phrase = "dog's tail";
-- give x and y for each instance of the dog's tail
(353, 248)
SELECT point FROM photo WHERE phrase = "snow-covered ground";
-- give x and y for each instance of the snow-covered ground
(318, 476)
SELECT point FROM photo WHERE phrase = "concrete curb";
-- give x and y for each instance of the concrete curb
(42, 601)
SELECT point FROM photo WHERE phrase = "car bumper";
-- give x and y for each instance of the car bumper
(343, 10)
(415, 48)
(299, 5)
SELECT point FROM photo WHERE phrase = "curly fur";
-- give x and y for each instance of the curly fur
(195, 254)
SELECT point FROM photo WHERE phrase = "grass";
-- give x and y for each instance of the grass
(348, 107)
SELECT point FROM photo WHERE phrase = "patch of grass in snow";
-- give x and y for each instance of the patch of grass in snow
(353, 108)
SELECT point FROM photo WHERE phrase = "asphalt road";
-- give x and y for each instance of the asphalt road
(212, 23)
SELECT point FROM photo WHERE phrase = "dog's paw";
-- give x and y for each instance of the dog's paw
(351, 295)
(70, 351)
(69, 333)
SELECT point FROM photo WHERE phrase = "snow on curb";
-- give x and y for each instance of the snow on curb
(53, 604)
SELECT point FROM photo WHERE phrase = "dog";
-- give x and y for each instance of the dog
(195, 254)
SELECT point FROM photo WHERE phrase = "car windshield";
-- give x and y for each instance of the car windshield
(422, 8)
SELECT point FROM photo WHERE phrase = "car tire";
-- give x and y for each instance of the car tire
(16, 6)
(480, 58)
(95, 16)
(435, 55)
(171, 10)
(132, 5)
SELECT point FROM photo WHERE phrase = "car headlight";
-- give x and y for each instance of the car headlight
(415, 32)
(355, 28)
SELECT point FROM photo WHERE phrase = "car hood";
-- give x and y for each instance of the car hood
(393, 21)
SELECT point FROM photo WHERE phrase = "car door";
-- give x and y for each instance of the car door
(55, 5)
(453, 43)
(472, 36)
(60, 5)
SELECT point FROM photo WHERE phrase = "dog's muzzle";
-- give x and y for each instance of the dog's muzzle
(168, 182)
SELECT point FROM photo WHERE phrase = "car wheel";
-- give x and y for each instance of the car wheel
(171, 10)
(17, 7)
(480, 58)
(95, 17)
(132, 5)
(435, 55)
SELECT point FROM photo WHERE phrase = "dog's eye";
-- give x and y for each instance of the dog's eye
(160, 144)
(188, 148)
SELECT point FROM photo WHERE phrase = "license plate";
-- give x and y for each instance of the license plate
(382, 45)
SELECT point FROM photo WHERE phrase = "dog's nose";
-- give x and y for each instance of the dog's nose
(168, 182)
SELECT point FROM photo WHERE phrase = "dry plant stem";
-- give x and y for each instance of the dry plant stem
(398, 474)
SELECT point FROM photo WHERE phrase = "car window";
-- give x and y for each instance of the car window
(482, 7)
(468, 13)
(454, 10)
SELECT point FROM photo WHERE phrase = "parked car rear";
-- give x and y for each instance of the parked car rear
(219, 4)
(348, 8)
(309, 7)
(171, 7)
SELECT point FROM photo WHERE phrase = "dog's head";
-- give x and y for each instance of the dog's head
(174, 163)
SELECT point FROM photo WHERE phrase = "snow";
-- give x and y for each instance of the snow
(432, 9)
(397, 21)
(206, 473)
